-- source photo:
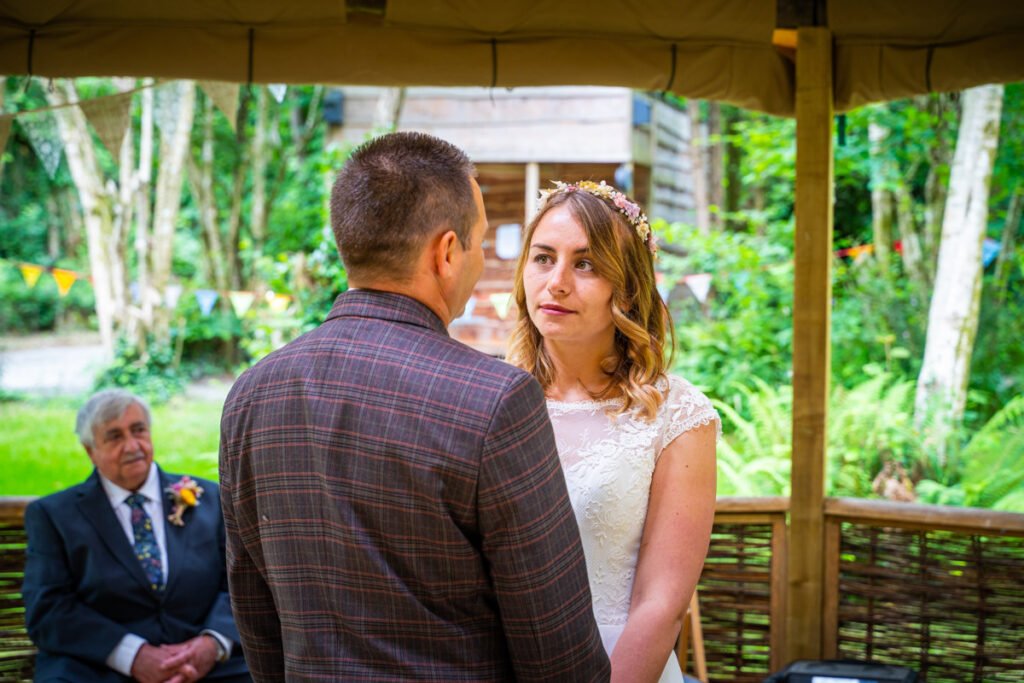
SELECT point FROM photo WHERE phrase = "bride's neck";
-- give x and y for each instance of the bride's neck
(578, 374)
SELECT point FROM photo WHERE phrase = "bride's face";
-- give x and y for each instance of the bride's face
(566, 298)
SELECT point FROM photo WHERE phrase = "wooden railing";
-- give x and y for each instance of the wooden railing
(938, 589)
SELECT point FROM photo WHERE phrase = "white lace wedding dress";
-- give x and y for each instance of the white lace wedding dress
(609, 461)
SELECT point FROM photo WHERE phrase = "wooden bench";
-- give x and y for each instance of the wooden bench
(17, 655)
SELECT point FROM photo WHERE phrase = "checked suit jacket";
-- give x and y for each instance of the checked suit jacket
(84, 590)
(395, 510)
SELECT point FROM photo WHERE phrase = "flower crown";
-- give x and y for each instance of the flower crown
(623, 204)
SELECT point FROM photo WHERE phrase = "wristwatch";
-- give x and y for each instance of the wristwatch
(222, 654)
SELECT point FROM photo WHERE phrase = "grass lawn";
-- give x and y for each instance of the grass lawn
(40, 453)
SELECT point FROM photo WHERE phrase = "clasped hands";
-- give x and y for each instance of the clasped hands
(175, 663)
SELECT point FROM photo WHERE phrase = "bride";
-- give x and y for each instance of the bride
(637, 444)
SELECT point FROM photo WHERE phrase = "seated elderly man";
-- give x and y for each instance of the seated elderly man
(125, 573)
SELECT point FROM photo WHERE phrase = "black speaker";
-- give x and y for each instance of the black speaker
(842, 671)
(334, 107)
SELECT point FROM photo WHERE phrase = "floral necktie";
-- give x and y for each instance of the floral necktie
(147, 552)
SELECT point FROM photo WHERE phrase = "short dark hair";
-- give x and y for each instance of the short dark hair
(396, 192)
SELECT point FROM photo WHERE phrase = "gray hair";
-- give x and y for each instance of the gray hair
(104, 406)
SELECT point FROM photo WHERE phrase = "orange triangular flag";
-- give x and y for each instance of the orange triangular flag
(31, 273)
(64, 278)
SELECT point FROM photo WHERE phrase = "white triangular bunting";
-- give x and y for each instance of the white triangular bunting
(699, 284)
(110, 118)
(225, 96)
(5, 131)
(43, 135)
(277, 91)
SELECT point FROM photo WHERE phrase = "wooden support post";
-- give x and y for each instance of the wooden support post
(811, 341)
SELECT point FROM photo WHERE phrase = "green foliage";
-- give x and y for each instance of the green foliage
(867, 426)
(754, 455)
(154, 374)
(988, 470)
(745, 330)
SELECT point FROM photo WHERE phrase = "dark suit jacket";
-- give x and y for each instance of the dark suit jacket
(84, 589)
(395, 510)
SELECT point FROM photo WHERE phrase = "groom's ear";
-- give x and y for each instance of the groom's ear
(445, 252)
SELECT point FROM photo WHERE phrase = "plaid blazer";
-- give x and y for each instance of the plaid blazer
(395, 511)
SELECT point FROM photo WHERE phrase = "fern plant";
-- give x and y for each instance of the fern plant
(988, 472)
(868, 424)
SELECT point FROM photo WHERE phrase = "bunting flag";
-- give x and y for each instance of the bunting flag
(241, 301)
(278, 302)
(854, 252)
(662, 286)
(501, 301)
(206, 298)
(31, 273)
(225, 96)
(699, 284)
(277, 91)
(989, 251)
(110, 118)
(171, 295)
(5, 130)
(64, 278)
(41, 131)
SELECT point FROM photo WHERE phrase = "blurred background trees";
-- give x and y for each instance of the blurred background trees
(927, 314)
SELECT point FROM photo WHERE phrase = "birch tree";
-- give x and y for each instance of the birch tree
(953, 314)
(112, 208)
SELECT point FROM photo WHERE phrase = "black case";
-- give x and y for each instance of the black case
(842, 671)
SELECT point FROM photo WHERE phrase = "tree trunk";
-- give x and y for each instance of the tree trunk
(698, 145)
(734, 155)
(1006, 244)
(389, 109)
(953, 316)
(201, 181)
(140, 187)
(716, 165)
(881, 198)
(106, 259)
(173, 152)
(258, 221)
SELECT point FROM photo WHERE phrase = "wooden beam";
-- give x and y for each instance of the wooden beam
(928, 517)
(811, 340)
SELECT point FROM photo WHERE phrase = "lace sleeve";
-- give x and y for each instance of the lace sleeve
(685, 408)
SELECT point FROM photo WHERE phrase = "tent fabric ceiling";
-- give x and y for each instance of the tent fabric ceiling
(712, 49)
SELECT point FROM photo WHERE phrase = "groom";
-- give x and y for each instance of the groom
(394, 504)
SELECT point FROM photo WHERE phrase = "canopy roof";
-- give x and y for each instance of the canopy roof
(712, 49)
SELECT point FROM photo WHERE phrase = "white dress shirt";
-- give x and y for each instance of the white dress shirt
(123, 655)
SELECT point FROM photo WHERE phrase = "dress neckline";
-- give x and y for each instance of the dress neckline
(587, 404)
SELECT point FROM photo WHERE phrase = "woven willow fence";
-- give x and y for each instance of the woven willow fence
(742, 589)
(16, 651)
(940, 590)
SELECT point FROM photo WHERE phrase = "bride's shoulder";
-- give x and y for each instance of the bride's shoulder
(678, 389)
(686, 406)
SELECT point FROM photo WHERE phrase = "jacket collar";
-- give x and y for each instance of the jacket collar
(371, 303)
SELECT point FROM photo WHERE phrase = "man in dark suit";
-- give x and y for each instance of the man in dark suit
(394, 504)
(115, 589)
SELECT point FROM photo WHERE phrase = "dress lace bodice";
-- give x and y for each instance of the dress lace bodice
(609, 461)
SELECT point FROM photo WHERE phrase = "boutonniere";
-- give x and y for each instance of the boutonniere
(185, 493)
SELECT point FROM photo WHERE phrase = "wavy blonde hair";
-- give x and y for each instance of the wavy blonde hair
(642, 321)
